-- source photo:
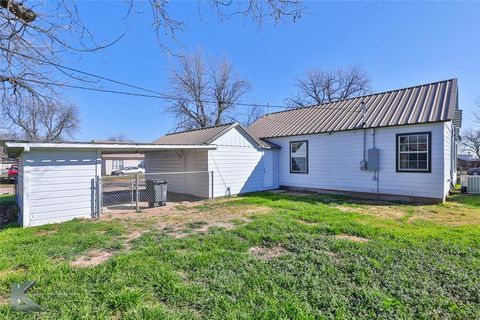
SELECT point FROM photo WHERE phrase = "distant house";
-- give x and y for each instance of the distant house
(467, 161)
(400, 144)
(5, 162)
(111, 162)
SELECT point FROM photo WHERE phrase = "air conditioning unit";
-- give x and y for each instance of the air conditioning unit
(471, 183)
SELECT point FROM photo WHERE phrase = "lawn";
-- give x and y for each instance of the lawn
(264, 256)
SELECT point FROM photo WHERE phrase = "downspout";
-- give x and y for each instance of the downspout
(364, 123)
(376, 176)
(363, 163)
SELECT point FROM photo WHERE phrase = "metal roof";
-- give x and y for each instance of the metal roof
(205, 136)
(195, 136)
(433, 102)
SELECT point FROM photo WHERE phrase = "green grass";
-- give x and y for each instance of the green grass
(409, 269)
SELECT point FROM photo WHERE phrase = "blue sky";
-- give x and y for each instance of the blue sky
(400, 44)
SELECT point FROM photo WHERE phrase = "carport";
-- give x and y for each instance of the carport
(61, 181)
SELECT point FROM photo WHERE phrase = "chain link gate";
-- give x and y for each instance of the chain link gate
(142, 191)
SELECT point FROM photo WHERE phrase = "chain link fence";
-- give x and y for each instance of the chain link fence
(142, 191)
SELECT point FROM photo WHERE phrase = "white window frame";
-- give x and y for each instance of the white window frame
(118, 164)
(428, 152)
(306, 157)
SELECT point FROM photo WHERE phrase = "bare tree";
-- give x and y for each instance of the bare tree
(476, 113)
(204, 94)
(36, 34)
(34, 120)
(471, 141)
(253, 114)
(319, 86)
(121, 137)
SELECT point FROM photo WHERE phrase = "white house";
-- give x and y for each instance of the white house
(397, 144)
(411, 134)
(112, 162)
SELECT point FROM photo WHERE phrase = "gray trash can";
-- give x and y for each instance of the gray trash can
(156, 192)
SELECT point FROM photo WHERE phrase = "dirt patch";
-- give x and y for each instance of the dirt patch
(4, 300)
(45, 233)
(381, 211)
(225, 225)
(92, 258)
(181, 220)
(265, 253)
(448, 213)
(344, 236)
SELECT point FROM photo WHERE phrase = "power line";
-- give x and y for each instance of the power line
(139, 94)
(156, 94)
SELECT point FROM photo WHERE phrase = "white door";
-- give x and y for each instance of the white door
(267, 170)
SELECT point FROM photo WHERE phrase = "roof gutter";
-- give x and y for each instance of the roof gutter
(16, 148)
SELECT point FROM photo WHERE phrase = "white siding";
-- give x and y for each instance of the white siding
(164, 161)
(181, 161)
(236, 164)
(450, 154)
(59, 185)
(19, 189)
(334, 163)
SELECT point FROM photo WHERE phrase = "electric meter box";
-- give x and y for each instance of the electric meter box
(373, 159)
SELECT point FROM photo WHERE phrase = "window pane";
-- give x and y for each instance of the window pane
(423, 138)
(422, 147)
(403, 164)
(299, 149)
(412, 139)
(412, 147)
(404, 147)
(403, 139)
(412, 157)
(403, 156)
(422, 165)
(299, 164)
(412, 164)
(422, 156)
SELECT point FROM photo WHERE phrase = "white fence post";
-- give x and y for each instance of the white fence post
(212, 185)
(136, 192)
(99, 196)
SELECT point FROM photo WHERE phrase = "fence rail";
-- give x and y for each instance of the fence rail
(142, 191)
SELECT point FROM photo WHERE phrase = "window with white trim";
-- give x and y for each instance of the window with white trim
(117, 164)
(414, 152)
(299, 157)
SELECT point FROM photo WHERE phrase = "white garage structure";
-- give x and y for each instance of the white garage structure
(59, 181)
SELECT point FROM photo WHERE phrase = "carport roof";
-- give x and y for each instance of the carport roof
(14, 148)
(207, 135)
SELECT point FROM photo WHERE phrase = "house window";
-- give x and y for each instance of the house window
(299, 157)
(117, 164)
(414, 152)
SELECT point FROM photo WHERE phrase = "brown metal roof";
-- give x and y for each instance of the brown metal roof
(433, 102)
(195, 136)
(207, 135)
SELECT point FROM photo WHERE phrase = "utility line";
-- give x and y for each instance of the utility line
(156, 94)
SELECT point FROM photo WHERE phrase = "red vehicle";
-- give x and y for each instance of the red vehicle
(12, 172)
